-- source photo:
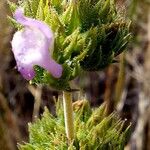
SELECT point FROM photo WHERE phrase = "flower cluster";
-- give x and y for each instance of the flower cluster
(80, 35)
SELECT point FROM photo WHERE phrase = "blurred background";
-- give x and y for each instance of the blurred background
(124, 86)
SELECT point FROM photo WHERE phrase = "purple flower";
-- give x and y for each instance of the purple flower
(31, 46)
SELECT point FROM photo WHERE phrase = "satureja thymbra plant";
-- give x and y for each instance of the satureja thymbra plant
(87, 34)
(58, 39)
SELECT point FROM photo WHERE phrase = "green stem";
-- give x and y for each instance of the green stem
(68, 114)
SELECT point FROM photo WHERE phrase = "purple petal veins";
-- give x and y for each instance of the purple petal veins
(31, 47)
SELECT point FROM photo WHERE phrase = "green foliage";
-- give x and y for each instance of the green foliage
(88, 35)
(94, 130)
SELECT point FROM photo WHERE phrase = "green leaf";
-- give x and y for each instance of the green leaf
(94, 130)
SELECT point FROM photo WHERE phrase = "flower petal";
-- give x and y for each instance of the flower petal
(55, 68)
(25, 21)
